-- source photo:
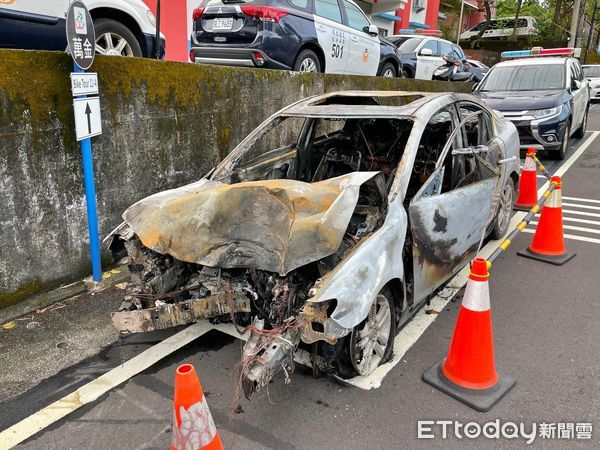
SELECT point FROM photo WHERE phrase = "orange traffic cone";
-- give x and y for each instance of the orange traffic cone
(527, 183)
(469, 372)
(548, 241)
(193, 426)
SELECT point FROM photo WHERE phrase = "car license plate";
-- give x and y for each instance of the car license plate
(222, 23)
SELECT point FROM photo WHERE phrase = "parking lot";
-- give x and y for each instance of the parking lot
(545, 330)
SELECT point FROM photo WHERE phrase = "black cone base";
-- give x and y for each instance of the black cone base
(479, 399)
(557, 260)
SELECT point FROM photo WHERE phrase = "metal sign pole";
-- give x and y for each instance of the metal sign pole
(90, 199)
(81, 41)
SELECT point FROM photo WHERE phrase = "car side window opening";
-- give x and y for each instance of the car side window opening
(433, 140)
(330, 9)
(356, 18)
(574, 74)
(433, 46)
(476, 161)
(458, 51)
(445, 48)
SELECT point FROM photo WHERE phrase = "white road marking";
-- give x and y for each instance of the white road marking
(580, 213)
(575, 228)
(99, 386)
(570, 236)
(402, 343)
(541, 176)
(587, 200)
(576, 219)
(577, 205)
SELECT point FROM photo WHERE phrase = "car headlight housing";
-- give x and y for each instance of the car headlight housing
(151, 18)
(542, 113)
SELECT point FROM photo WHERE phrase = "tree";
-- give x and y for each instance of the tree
(488, 17)
(516, 24)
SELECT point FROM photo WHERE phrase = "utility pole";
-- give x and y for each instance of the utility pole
(574, 23)
(591, 35)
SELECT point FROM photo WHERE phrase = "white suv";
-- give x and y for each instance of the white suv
(502, 28)
(123, 27)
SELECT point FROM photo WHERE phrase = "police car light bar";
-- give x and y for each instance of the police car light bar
(539, 51)
(424, 32)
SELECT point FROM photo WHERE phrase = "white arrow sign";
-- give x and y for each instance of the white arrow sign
(88, 122)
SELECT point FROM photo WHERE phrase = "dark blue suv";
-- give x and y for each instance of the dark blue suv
(332, 36)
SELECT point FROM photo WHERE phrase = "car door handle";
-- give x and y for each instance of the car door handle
(354, 38)
(321, 28)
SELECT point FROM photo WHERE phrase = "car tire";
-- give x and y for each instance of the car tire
(362, 339)
(580, 133)
(307, 61)
(115, 39)
(388, 71)
(564, 145)
(504, 213)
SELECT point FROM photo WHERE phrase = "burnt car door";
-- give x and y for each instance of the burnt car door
(449, 213)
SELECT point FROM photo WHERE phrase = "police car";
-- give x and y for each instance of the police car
(422, 53)
(123, 27)
(332, 36)
(543, 92)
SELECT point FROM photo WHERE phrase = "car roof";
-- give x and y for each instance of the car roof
(540, 60)
(339, 104)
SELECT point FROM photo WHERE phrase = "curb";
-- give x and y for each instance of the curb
(38, 301)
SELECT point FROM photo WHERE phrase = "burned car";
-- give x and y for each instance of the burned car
(326, 228)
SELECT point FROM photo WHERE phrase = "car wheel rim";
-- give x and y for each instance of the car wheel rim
(368, 344)
(505, 208)
(308, 65)
(389, 73)
(113, 44)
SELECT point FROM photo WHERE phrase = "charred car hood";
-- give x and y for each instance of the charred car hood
(272, 225)
(520, 100)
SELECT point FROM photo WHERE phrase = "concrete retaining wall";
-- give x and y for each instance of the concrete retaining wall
(165, 124)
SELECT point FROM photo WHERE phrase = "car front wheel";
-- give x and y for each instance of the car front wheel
(371, 342)
(115, 39)
(580, 133)
(388, 71)
(504, 213)
(307, 61)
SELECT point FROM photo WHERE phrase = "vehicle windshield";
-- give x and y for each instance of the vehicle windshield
(406, 44)
(591, 71)
(525, 78)
(310, 149)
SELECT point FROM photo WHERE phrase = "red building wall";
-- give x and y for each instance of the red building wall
(173, 24)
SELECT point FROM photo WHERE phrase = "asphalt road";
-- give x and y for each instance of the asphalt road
(546, 335)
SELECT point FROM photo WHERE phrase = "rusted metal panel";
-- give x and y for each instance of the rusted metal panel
(170, 315)
(272, 225)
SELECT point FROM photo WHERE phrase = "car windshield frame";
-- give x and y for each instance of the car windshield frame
(509, 84)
